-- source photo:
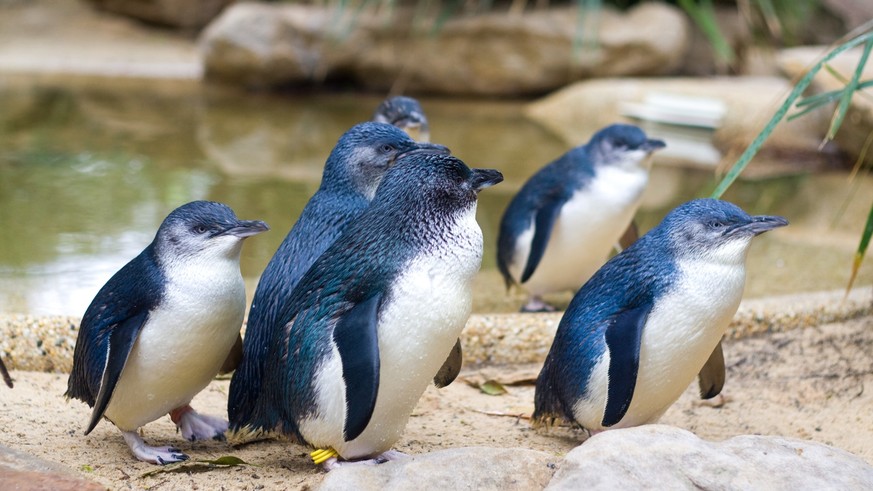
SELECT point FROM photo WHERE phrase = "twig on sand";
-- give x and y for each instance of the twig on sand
(501, 413)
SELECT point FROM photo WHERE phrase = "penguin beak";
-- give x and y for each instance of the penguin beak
(483, 178)
(652, 145)
(246, 228)
(760, 224)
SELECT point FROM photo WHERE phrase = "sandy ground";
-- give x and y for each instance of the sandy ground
(814, 384)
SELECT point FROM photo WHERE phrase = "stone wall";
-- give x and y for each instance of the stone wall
(493, 54)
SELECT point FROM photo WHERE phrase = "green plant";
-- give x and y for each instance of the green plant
(770, 20)
(803, 105)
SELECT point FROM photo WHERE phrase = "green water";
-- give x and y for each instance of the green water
(88, 171)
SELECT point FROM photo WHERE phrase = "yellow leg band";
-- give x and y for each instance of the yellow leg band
(322, 454)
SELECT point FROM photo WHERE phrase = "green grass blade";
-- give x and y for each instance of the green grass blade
(849, 91)
(862, 249)
(807, 110)
(834, 73)
(818, 100)
(586, 26)
(771, 18)
(446, 12)
(703, 15)
(795, 94)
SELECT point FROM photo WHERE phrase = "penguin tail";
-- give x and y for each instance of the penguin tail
(246, 434)
(544, 421)
(544, 417)
(548, 408)
(77, 389)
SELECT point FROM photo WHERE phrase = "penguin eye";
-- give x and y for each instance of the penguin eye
(715, 224)
(201, 229)
(386, 148)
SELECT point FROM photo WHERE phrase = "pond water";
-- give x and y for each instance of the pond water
(88, 171)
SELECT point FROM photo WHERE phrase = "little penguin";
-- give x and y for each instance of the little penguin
(351, 175)
(405, 113)
(567, 217)
(162, 327)
(375, 317)
(644, 325)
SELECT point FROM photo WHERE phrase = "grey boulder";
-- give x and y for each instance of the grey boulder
(470, 468)
(664, 457)
(265, 45)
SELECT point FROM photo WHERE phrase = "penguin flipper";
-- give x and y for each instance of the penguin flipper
(712, 375)
(544, 222)
(451, 367)
(623, 337)
(121, 340)
(233, 358)
(355, 335)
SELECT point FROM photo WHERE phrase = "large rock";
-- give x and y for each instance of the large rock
(670, 458)
(471, 468)
(577, 111)
(23, 472)
(260, 45)
(854, 134)
(185, 14)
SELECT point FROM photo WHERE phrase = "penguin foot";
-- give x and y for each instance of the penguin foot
(536, 304)
(389, 455)
(195, 426)
(153, 455)
(715, 402)
(334, 462)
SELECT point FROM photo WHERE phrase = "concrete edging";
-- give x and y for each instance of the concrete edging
(46, 343)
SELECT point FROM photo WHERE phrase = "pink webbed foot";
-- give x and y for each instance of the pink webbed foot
(195, 426)
(154, 455)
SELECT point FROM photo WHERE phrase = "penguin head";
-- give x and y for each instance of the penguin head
(716, 230)
(447, 182)
(623, 145)
(363, 154)
(204, 229)
(405, 113)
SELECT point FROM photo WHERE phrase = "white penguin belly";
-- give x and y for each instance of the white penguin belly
(427, 308)
(182, 346)
(588, 227)
(680, 334)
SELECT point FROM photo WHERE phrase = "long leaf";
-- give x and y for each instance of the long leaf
(795, 94)
(198, 465)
